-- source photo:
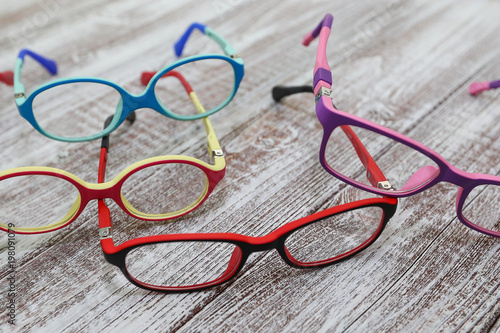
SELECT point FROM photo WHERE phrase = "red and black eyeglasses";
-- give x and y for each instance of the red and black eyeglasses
(191, 262)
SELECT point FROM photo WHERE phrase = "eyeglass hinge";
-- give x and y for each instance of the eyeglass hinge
(385, 185)
(323, 91)
(19, 95)
(217, 153)
(235, 55)
(105, 232)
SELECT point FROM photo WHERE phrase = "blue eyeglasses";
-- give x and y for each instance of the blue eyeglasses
(74, 109)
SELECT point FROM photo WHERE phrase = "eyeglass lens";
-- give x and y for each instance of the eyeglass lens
(32, 201)
(211, 79)
(77, 109)
(335, 235)
(179, 264)
(481, 207)
(165, 188)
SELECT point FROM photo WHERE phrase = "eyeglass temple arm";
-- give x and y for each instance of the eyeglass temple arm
(280, 92)
(7, 78)
(477, 87)
(105, 229)
(226, 47)
(19, 89)
(322, 73)
(104, 214)
(214, 148)
(373, 172)
(147, 76)
(105, 147)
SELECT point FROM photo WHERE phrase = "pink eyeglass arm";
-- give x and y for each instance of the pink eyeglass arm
(7, 78)
(322, 73)
(477, 87)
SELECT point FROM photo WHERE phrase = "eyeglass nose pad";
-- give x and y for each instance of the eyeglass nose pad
(234, 262)
(422, 176)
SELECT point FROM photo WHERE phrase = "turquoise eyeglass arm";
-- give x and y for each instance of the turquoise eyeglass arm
(19, 90)
(226, 47)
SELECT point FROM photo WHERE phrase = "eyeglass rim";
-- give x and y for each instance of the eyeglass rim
(238, 69)
(214, 173)
(147, 98)
(275, 240)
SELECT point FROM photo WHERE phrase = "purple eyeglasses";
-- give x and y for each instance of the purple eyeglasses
(409, 166)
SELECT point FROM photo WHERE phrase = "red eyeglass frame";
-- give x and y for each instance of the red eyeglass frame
(245, 245)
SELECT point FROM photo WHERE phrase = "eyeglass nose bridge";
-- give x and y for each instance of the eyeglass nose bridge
(147, 99)
(262, 244)
(102, 191)
(458, 177)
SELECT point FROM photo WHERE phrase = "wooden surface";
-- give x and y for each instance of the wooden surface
(405, 65)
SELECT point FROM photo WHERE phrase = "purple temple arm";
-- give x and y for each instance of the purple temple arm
(49, 64)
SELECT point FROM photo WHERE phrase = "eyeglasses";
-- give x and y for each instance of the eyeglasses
(85, 102)
(42, 199)
(410, 166)
(190, 262)
(7, 78)
(477, 87)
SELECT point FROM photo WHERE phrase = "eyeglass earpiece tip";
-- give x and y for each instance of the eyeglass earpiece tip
(477, 87)
(307, 39)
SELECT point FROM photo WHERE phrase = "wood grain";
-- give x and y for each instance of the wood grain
(405, 65)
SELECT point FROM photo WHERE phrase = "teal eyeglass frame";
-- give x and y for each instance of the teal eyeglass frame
(128, 102)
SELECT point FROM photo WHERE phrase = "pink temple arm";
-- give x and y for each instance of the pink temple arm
(323, 30)
(322, 74)
(477, 87)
